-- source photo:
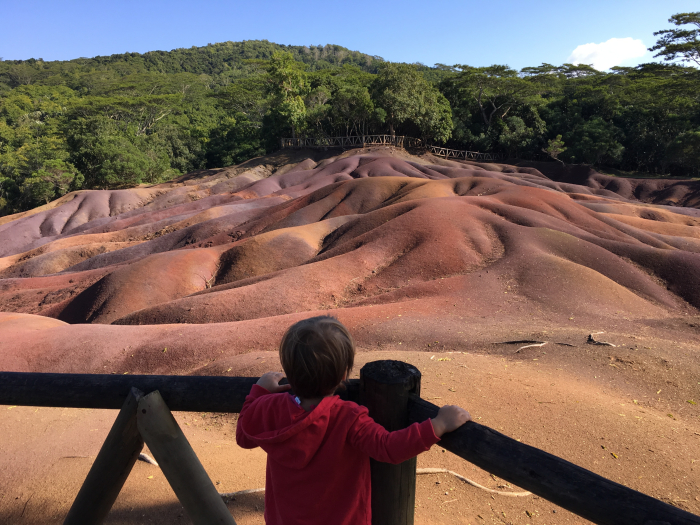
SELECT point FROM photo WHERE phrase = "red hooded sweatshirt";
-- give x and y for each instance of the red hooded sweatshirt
(318, 461)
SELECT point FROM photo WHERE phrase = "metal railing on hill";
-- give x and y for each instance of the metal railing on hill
(361, 141)
(391, 392)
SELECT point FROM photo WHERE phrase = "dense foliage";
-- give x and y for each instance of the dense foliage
(636, 119)
(122, 120)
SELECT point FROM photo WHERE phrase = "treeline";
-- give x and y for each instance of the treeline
(644, 119)
(118, 121)
(110, 122)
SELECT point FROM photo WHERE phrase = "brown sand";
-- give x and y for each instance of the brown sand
(419, 257)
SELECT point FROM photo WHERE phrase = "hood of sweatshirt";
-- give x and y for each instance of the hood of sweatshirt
(290, 435)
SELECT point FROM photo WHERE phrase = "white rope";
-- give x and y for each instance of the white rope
(419, 472)
(529, 346)
(148, 459)
(239, 493)
(469, 481)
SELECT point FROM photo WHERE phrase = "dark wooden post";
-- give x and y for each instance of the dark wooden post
(385, 387)
(111, 467)
(180, 464)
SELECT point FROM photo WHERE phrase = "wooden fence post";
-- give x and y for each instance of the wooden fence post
(384, 389)
(179, 463)
(111, 467)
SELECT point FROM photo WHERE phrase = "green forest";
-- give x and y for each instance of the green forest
(129, 119)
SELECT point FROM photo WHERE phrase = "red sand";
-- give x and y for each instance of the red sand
(412, 253)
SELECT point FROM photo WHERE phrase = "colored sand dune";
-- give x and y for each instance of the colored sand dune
(220, 262)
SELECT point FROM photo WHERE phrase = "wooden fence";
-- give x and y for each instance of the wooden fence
(361, 141)
(390, 390)
(462, 154)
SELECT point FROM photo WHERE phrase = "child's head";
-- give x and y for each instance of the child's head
(316, 354)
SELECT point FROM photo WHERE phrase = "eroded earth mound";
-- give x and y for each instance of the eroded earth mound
(234, 255)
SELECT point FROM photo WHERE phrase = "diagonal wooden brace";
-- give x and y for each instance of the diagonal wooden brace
(179, 463)
(111, 467)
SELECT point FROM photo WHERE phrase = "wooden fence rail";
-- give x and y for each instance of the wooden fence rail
(571, 487)
(181, 393)
(361, 141)
(463, 154)
(358, 141)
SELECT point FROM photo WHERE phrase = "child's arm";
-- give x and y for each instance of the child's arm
(270, 381)
(267, 384)
(449, 418)
(396, 447)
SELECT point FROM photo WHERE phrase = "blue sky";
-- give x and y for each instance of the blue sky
(517, 33)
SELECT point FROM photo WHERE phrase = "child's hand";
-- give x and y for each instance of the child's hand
(271, 381)
(449, 418)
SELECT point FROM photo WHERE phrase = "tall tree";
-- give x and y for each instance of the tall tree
(495, 89)
(404, 95)
(287, 84)
(395, 90)
(683, 44)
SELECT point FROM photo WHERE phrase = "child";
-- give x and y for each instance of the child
(318, 446)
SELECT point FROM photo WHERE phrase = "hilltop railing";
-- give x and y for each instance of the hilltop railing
(390, 390)
(361, 141)
(463, 154)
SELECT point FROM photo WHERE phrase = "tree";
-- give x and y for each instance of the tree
(495, 89)
(352, 108)
(246, 97)
(434, 118)
(54, 179)
(287, 84)
(683, 44)
(515, 136)
(684, 153)
(22, 74)
(555, 147)
(395, 90)
(109, 158)
(596, 141)
(404, 95)
(238, 134)
(494, 108)
(141, 113)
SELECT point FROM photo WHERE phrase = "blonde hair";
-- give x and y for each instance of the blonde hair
(316, 354)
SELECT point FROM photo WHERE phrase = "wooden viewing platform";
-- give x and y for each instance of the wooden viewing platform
(361, 141)
(391, 392)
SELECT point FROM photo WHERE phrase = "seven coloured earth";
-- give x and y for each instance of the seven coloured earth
(496, 281)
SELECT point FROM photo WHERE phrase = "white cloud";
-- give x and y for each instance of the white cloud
(608, 54)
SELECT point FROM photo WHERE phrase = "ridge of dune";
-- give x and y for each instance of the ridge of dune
(365, 227)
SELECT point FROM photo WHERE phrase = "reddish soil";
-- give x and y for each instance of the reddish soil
(419, 257)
